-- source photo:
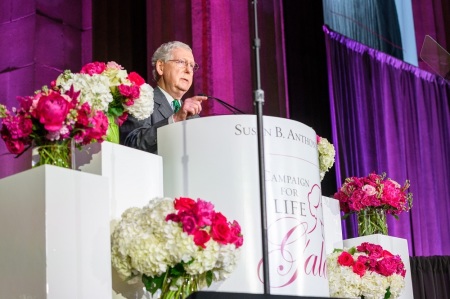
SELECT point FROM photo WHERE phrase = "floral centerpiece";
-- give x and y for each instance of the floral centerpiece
(110, 88)
(371, 198)
(176, 246)
(367, 271)
(51, 120)
(326, 155)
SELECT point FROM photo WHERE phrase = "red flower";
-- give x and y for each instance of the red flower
(345, 259)
(201, 237)
(136, 78)
(359, 268)
(220, 231)
(184, 204)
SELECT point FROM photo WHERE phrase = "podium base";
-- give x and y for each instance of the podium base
(223, 295)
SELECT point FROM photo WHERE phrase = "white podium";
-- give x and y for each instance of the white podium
(216, 159)
(54, 231)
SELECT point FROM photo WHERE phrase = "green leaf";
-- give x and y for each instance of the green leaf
(388, 293)
(177, 270)
(352, 250)
(209, 278)
(152, 284)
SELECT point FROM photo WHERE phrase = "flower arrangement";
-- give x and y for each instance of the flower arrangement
(50, 117)
(110, 88)
(371, 195)
(326, 155)
(367, 271)
(176, 246)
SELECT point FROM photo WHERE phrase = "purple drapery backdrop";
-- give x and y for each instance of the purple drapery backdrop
(389, 116)
(40, 39)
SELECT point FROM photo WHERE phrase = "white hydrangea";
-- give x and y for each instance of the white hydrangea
(93, 89)
(326, 156)
(143, 106)
(143, 242)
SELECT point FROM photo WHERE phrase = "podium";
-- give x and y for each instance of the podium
(216, 159)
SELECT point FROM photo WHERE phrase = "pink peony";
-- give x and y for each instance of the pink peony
(131, 92)
(204, 212)
(52, 110)
(14, 146)
(93, 68)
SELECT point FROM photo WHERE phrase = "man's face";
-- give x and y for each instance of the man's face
(176, 79)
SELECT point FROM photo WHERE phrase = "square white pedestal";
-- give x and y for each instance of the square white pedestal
(54, 230)
(135, 176)
(395, 246)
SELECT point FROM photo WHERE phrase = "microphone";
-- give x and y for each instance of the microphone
(231, 108)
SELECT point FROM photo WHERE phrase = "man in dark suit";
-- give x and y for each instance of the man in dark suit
(173, 69)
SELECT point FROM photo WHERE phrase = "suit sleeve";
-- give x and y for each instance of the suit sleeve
(145, 137)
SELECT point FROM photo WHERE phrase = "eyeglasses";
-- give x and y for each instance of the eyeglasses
(181, 63)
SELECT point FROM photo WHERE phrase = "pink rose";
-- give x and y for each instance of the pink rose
(359, 268)
(236, 237)
(93, 68)
(52, 110)
(369, 190)
(188, 223)
(345, 259)
(136, 78)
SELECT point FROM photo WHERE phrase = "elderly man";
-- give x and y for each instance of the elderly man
(173, 70)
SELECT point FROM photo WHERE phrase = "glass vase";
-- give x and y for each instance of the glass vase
(57, 153)
(180, 287)
(372, 221)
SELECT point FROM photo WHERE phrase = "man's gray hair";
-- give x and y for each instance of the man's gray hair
(164, 53)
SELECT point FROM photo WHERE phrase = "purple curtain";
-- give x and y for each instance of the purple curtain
(389, 116)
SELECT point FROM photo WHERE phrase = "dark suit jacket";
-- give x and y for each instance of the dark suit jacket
(143, 134)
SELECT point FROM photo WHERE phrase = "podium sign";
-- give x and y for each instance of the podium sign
(216, 159)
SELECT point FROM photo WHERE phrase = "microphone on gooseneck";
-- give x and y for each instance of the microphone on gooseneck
(231, 108)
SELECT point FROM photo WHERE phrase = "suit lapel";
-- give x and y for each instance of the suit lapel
(163, 105)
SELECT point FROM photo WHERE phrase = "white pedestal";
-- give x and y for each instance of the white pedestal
(332, 224)
(54, 230)
(136, 176)
(395, 246)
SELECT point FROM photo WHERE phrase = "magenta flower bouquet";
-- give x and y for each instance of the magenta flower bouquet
(108, 87)
(51, 120)
(367, 271)
(371, 198)
(175, 246)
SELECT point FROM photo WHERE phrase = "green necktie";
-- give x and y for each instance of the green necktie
(176, 106)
